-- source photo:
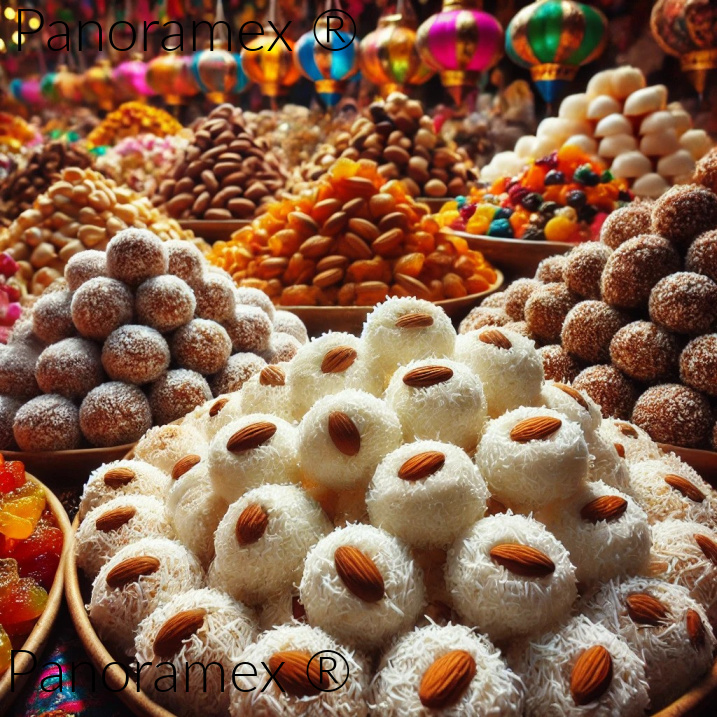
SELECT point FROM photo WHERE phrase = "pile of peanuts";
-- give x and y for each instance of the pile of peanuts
(20, 188)
(401, 138)
(225, 173)
(131, 119)
(82, 210)
(354, 241)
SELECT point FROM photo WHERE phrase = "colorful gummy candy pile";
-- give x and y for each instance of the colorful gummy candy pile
(563, 197)
(131, 119)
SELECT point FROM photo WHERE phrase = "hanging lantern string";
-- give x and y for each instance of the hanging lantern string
(220, 17)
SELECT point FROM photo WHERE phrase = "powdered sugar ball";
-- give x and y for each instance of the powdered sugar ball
(497, 596)
(698, 364)
(249, 329)
(52, 317)
(558, 364)
(683, 213)
(248, 296)
(163, 446)
(202, 346)
(47, 423)
(481, 316)
(238, 370)
(71, 367)
(115, 413)
(177, 393)
(645, 351)
(363, 613)
(516, 295)
(626, 223)
(165, 303)
(496, 300)
(583, 268)
(185, 260)
(135, 255)
(588, 329)
(17, 371)
(135, 354)
(684, 303)
(8, 408)
(215, 297)
(551, 269)
(289, 323)
(85, 265)
(702, 255)
(609, 388)
(282, 348)
(546, 309)
(100, 306)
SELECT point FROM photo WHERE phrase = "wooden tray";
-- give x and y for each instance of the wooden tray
(704, 462)
(35, 641)
(319, 319)
(213, 231)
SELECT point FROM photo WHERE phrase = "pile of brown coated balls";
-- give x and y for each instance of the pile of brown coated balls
(132, 337)
(632, 318)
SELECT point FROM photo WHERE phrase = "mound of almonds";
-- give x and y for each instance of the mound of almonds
(82, 210)
(225, 173)
(401, 138)
(20, 188)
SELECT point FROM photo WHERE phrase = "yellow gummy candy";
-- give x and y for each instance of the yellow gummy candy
(11, 526)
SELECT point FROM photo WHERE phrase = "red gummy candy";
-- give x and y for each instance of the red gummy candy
(42, 568)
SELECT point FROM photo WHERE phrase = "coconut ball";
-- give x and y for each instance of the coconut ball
(202, 346)
(177, 393)
(702, 255)
(52, 317)
(405, 329)
(698, 364)
(426, 493)
(516, 295)
(684, 303)
(674, 414)
(208, 418)
(635, 267)
(510, 577)
(115, 413)
(573, 404)
(295, 645)
(546, 309)
(17, 372)
(135, 354)
(532, 456)
(344, 437)
(440, 400)
(496, 300)
(634, 442)
(550, 270)
(238, 370)
(164, 446)
(289, 323)
(608, 462)
(683, 213)
(519, 327)
(165, 303)
(8, 408)
(481, 316)
(200, 627)
(282, 348)
(215, 297)
(249, 329)
(645, 351)
(272, 525)
(135, 255)
(284, 321)
(610, 389)
(551, 664)
(558, 364)
(267, 391)
(70, 368)
(583, 269)
(507, 364)
(706, 171)
(252, 450)
(662, 624)
(100, 306)
(406, 679)
(589, 328)
(185, 260)
(85, 265)
(626, 223)
(361, 585)
(111, 526)
(137, 580)
(47, 423)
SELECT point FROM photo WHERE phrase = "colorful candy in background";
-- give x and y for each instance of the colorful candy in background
(131, 119)
(564, 197)
(15, 132)
(10, 308)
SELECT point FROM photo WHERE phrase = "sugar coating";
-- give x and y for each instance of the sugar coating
(248, 296)
(672, 663)
(117, 612)
(348, 700)
(635, 267)
(377, 425)
(684, 212)
(85, 265)
(547, 663)
(588, 329)
(185, 260)
(22, 335)
(100, 306)
(550, 269)
(529, 475)
(702, 255)
(390, 346)
(589, 419)
(453, 411)
(433, 511)
(645, 351)
(52, 317)
(202, 346)
(8, 408)
(115, 413)
(274, 461)
(227, 629)
(636, 443)
(606, 464)
(583, 269)
(684, 303)
(251, 573)
(256, 396)
(706, 171)
(163, 446)
(249, 328)
(177, 393)
(674, 414)
(135, 354)
(558, 364)
(147, 480)
(500, 603)
(516, 295)
(307, 381)
(496, 300)
(285, 321)
(493, 690)
(546, 309)
(17, 372)
(71, 368)
(47, 423)
(609, 388)
(165, 303)
(135, 255)
(626, 223)
(238, 369)
(215, 297)
(520, 327)
(698, 364)
(481, 316)
(511, 377)
(331, 606)
(282, 347)
(95, 547)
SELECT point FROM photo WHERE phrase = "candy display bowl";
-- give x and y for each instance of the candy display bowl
(703, 461)
(213, 230)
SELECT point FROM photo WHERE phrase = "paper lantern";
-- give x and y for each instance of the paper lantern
(99, 86)
(131, 79)
(219, 73)
(171, 76)
(272, 69)
(69, 85)
(27, 92)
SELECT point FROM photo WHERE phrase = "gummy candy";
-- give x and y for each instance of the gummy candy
(22, 600)
(5, 650)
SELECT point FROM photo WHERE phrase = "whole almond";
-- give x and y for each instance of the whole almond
(591, 675)
(522, 560)
(185, 464)
(682, 485)
(422, 465)
(707, 546)
(299, 675)
(338, 359)
(115, 518)
(606, 507)
(344, 434)
(645, 609)
(695, 629)
(536, 428)
(414, 321)
(445, 681)
(364, 228)
(217, 406)
(118, 477)
(177, 630)
(620, 449)
(425, 376)
(131, 569)
(251, 524)
(626, 429)
(272, 376)
(495, 338)
(359, 573)
(573, 393)
(334, 224)
(251, 436)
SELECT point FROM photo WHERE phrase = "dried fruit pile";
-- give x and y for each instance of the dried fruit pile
(131, 119)
(468, 537)
(631, 319)
(353, 241)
